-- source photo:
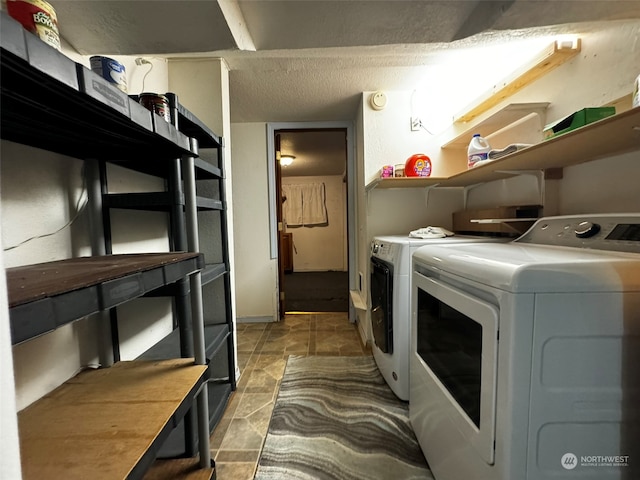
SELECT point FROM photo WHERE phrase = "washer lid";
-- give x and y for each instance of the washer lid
(522, 268)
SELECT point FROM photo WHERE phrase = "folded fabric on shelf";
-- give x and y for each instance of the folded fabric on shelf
(514, 147)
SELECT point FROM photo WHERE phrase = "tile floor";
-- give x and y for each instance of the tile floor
(263, 349)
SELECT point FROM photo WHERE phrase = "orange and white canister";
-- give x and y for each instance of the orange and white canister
(38, 17)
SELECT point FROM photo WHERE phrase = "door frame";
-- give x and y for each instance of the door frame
(352, 248)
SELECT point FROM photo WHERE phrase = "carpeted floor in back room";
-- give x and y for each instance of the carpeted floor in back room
(317, 291)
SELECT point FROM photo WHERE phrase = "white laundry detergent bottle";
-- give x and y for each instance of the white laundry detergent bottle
(478, 150)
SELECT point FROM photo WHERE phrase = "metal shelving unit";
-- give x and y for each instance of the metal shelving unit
(52, 103)
(199, 182)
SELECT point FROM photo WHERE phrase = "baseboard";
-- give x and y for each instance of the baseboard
(265, 319)
(363, 335)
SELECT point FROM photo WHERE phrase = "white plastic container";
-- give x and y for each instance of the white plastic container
(478, 150)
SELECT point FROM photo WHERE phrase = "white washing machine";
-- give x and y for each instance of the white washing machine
(525, 356)
(391, 305)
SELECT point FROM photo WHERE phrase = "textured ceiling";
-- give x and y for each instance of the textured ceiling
(319, 152)
(310, 60)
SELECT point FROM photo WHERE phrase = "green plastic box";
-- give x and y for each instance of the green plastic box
(576, 120)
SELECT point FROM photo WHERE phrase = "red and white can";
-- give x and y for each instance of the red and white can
(38, 17)
(157, 103)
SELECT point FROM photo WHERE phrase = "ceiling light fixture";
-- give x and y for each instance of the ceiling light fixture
(286, 160)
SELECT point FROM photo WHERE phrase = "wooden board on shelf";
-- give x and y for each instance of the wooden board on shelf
(33, 282)
(45, 296)
(607, 137)
(610, 136)
(102, 423)
(508, 220)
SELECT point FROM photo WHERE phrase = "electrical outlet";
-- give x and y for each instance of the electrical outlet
(142, 61)
(416, 124)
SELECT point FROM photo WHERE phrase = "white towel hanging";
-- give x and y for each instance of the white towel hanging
(305, 204)
(314, 208)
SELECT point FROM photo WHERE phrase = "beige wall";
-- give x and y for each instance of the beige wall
(256, 272)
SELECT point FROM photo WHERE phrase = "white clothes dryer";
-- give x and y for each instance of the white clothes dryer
(525, 356)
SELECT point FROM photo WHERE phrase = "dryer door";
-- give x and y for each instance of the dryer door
(381, 286)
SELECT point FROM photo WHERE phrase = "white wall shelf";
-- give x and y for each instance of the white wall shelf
(357, 299)
(405, 182)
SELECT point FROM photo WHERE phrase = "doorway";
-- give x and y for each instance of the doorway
(312, 216)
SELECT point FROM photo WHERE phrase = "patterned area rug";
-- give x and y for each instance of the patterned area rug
(335, 418)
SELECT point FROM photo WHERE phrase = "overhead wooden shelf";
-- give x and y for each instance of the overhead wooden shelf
(107, 424)
(610, 136)
(460, 134)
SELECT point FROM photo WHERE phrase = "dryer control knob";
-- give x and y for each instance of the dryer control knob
(586, 229)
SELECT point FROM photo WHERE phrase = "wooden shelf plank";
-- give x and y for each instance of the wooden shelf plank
(44, 296)
(103, 423)
(460, 133)
(609, 136)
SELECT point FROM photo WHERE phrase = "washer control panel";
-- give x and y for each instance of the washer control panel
(383, 250)
(601, 232)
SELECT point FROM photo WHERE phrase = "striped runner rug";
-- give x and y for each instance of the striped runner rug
(335, 418)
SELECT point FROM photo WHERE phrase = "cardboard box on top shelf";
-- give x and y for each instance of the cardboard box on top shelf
(576, 120)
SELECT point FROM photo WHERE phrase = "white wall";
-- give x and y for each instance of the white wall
(9, 442)
(322, 248)
(256, 272)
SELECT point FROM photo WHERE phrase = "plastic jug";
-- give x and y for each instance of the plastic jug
(478, 150)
